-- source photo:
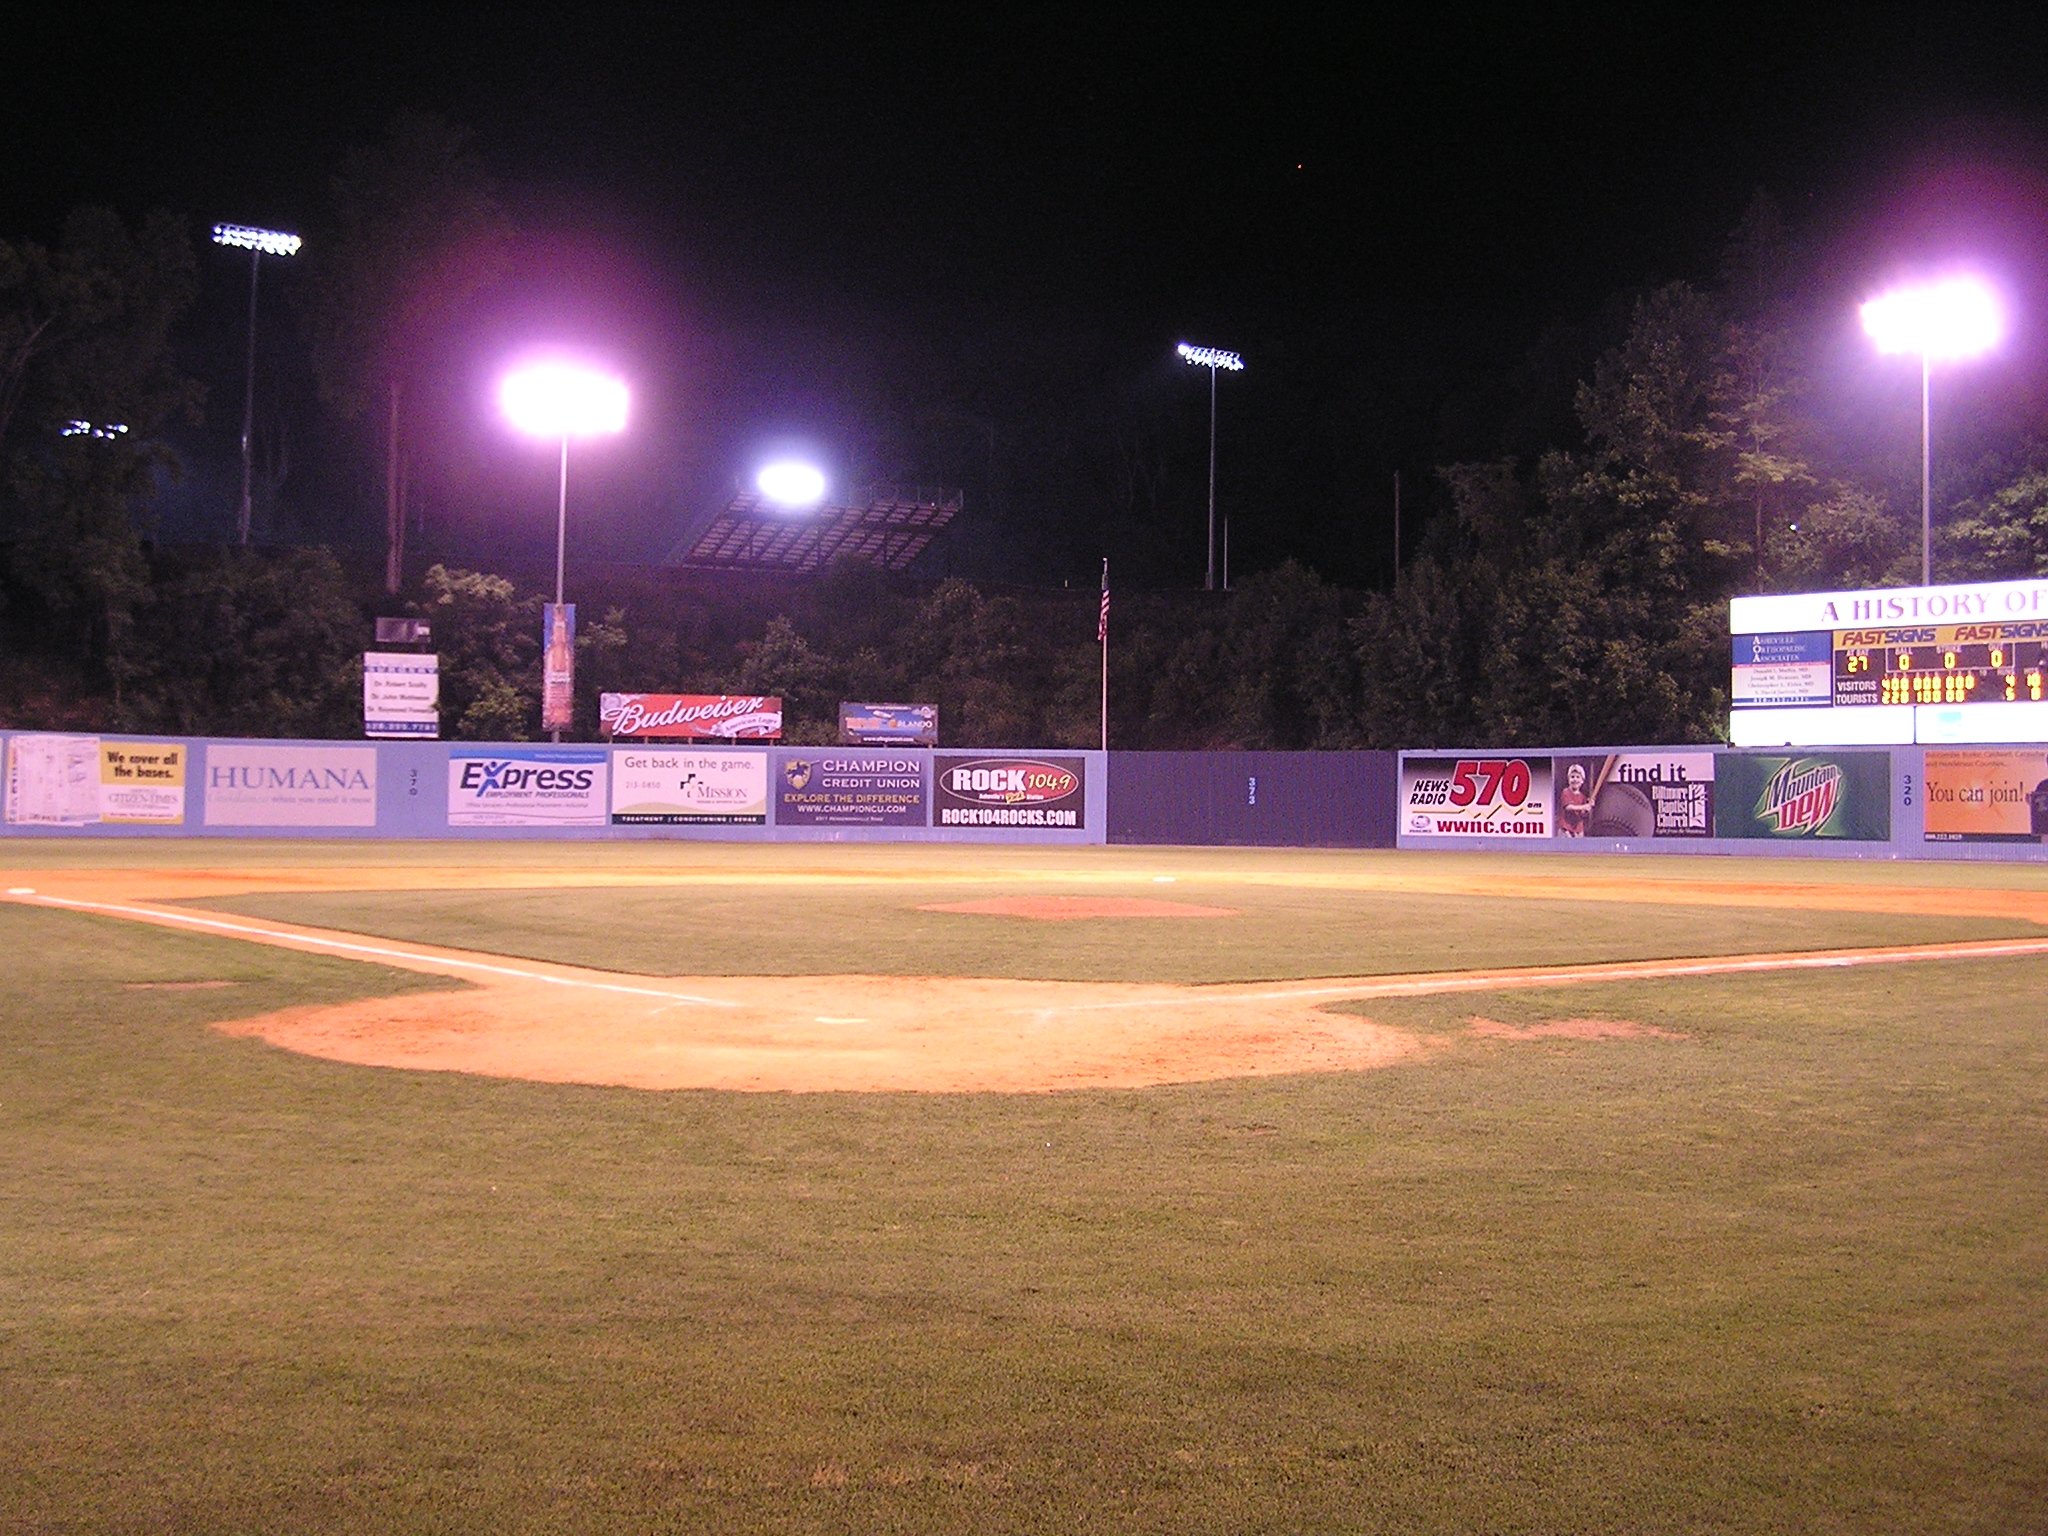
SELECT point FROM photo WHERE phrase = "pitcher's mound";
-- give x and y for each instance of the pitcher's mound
(1060, 909)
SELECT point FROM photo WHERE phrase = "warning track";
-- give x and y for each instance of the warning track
(558, 1023)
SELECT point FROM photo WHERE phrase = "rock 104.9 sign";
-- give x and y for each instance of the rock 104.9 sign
(1009, 792)
(1475, 796)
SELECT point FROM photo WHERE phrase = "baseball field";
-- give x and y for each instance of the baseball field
(665, 1186)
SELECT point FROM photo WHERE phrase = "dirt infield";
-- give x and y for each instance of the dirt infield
(929, 1034)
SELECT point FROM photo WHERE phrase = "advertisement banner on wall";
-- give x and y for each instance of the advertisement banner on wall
(888, 725)
(1009, 791)
(528, 786)
(846, 787)
(401, 694)
(558, 667)
(143, 782)
(1843, 795)
(1635, 794)
(656, 786)
(699, 716)
(290, 786)
(53, 781)
(1475, 796)
(1987, 796)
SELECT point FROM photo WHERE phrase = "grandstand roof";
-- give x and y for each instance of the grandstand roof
(889, 527)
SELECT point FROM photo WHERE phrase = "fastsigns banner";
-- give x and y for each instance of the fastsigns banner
(528, 786)
(1826, 795)
(290, 786)
(707, 716)
(1635, 794)
(654, 786)
(401, 694)
(847, 787)
(1987, 796)
(1009, 791)
(1475, 796)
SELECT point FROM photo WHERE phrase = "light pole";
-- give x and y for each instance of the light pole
(1950, 320)
(1211, 358)
(259, 243)
(562, 400)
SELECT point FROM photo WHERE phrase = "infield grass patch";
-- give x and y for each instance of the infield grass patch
(1786, 1273)
(1283, 931)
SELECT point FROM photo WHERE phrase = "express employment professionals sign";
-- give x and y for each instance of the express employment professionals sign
(528, 786)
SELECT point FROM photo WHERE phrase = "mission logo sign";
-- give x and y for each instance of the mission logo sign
(1009, 792)
(528, 787)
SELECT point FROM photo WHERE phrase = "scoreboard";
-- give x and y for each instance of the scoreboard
(1965, 663)
(1941, 664)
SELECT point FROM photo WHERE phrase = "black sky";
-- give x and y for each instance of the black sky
(960, 244)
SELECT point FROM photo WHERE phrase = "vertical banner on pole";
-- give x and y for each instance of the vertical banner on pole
(558, 667)
(1102, 639)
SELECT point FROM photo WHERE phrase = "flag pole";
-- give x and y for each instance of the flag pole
(1102, 637)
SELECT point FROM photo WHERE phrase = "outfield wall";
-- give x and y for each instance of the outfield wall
(162, 786)
(1253, 799)
(1901, 802)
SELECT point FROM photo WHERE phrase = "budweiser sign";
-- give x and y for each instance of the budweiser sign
(724, 716)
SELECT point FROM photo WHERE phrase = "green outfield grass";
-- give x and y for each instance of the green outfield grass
(1788, 1273)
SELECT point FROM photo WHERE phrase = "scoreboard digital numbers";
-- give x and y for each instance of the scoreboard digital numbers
(1959, 664)
(1941, 664)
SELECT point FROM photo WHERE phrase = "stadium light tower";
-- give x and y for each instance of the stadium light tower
(1211, 358)
(259, 243)
(1950, 320)
(562, 400)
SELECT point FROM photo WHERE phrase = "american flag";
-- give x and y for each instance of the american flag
(1102, 624)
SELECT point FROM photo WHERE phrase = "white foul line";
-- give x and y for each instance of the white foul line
(1647, 970)
(286, 940)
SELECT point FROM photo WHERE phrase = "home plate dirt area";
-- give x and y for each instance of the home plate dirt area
(524, 1018)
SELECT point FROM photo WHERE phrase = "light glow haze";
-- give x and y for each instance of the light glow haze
(555, 399)
(1956, 317)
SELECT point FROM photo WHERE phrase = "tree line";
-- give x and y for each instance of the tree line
(1573, 592)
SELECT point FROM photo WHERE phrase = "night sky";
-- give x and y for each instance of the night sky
(959, 246)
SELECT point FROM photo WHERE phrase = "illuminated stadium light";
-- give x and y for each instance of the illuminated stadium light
(1956, 318)
(1213, 359)
(259, 243)
(92, 429)
(1945, 321)
(269, 242)
(788, 483)
(563, 400)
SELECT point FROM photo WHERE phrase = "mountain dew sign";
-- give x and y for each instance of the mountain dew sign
(1844, 795)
